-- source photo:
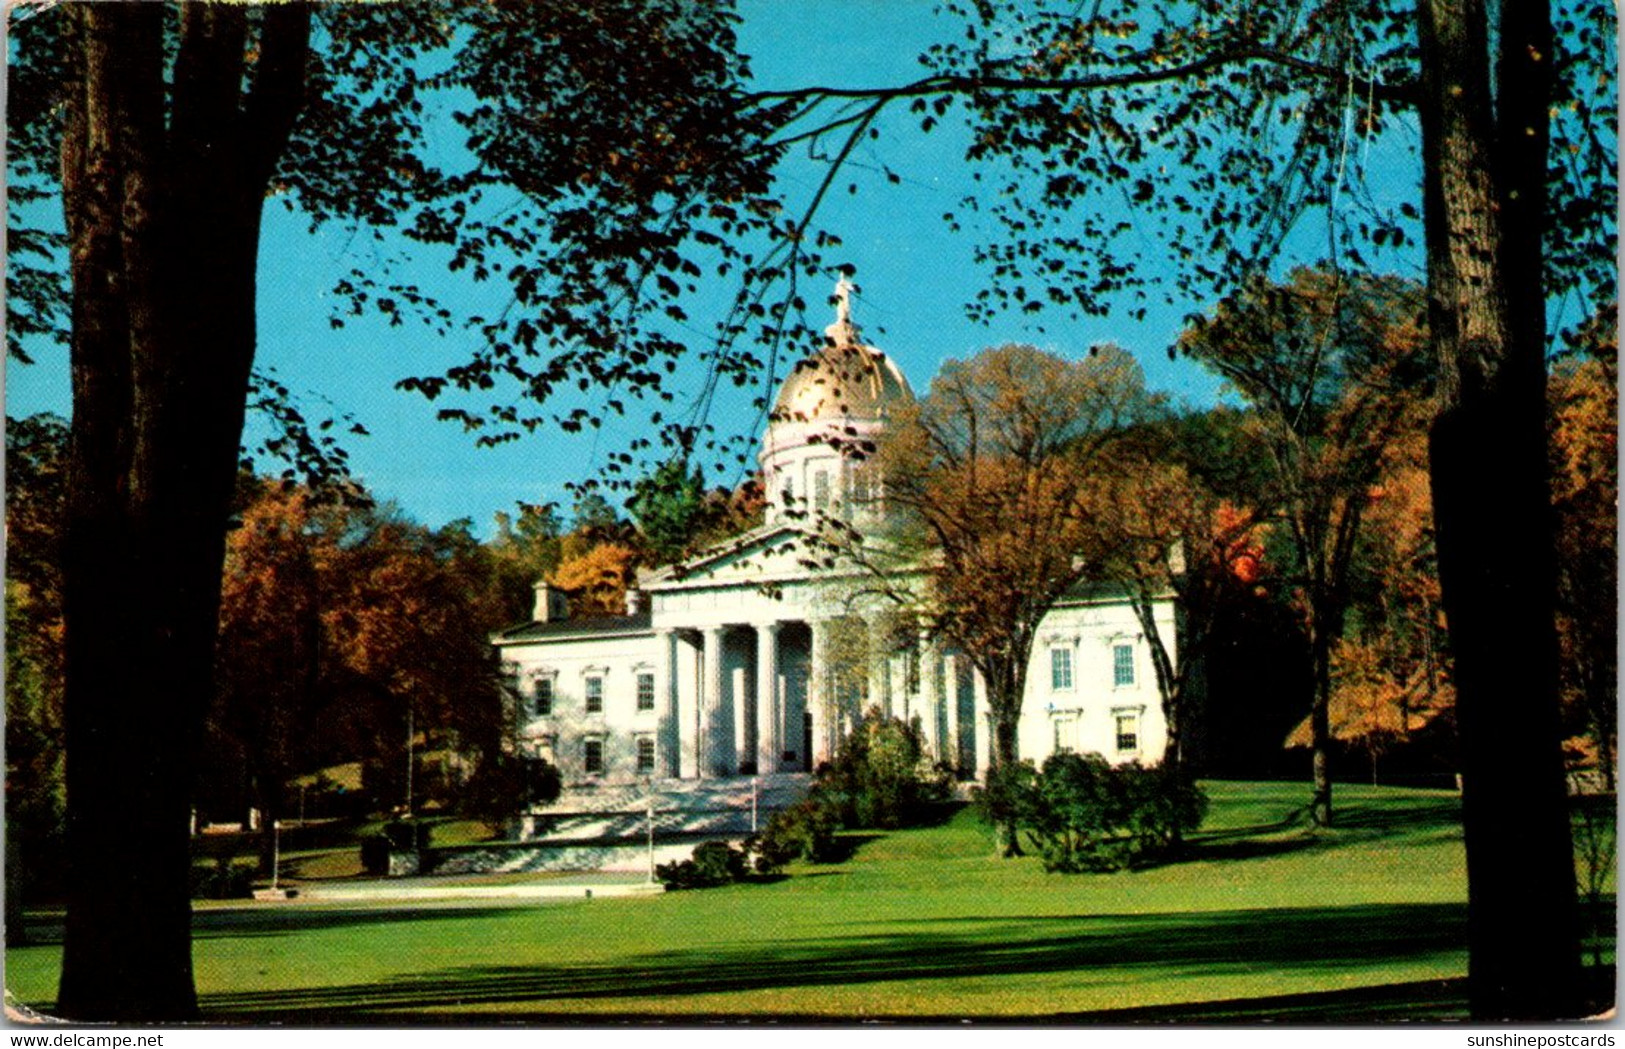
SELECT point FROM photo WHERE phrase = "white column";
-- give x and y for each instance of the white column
(879, 654)
(741, 700)
(950, 733)
(686, 683)
(983, 724)
(817, 689)
(768, 707)
(671, 723)
(930, 696)
(710, 752)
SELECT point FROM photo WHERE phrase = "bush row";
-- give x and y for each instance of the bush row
(1081, 813)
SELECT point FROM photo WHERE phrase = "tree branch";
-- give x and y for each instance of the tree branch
(1402, 92)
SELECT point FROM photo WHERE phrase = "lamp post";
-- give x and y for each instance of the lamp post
(651, 826)
(411, 739)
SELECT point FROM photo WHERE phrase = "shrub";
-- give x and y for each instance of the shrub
(408, 835)
(1162, 807)
(221, 880)
(879, 777)
(505, 784)
(1082, 813)
(714, 863)
(397, 836)
(1007, 795)
(375, 854)
(803, 831)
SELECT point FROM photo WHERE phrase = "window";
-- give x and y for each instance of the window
(1060, 669)
(1128, 732)
(821, 489)
(1122, 665)
(543, 694)
(911, 671)
(595, 695)
(646, 691)
(860, 476)
(1066, 732)
(646, 755)
(592, 756)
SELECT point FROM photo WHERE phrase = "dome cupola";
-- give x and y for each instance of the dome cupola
(829, 412)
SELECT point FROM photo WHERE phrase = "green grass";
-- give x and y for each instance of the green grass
(1266, 920)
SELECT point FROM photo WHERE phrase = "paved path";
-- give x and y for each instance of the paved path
(473, 888)
(380, 891)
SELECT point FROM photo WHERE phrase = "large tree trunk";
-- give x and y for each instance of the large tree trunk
(1484, 207)
(163, 214)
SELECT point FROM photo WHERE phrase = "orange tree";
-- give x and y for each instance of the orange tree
(1585, 494)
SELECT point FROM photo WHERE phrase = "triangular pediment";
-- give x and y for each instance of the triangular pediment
(773, 552)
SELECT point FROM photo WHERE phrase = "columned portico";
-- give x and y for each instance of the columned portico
(769, 706)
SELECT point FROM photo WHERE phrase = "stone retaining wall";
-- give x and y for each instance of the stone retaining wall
(530, 856)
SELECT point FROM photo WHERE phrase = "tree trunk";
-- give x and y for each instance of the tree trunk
(1169, 677)
(1484, 208)
(1320, 730)
(163, 212)
(1006, 681)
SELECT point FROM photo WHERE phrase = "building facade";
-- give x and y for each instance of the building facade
(744, 661)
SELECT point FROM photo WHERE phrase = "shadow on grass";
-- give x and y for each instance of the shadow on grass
(847, 844)
(1353, 822)
(935, 815)
(1108, 954)
(281, 920)
(1415, 1001)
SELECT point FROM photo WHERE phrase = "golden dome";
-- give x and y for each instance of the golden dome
(844, 380)
(841, 382)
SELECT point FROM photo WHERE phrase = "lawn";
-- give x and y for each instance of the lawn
(1266, 920)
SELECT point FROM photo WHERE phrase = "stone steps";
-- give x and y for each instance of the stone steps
(690, 807)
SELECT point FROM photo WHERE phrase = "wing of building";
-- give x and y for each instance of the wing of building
(739, 661)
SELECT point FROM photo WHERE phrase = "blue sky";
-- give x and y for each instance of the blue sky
(913, 277)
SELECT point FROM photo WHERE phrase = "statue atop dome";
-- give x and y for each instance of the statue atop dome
(842, 332)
